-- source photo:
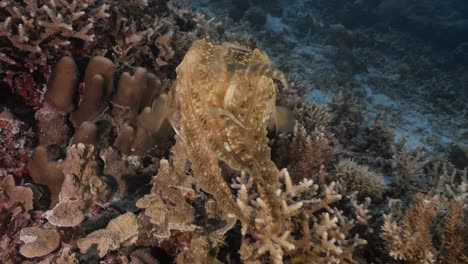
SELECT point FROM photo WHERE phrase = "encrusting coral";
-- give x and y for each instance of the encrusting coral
(166, 205)
(38, 241)
(15, 199)
(121, 231)
(81, 187)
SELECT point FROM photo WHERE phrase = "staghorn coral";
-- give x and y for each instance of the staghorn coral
(326, 236)
(433, 228)
(359, 178)
(409, 165)
(411, 239)
(120, 232)
(307, 152)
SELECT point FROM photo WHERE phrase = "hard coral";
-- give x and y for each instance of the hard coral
(303, 153)
(359, 178)
(166, 205)
(120, 232)
(44, 170)
(326, 236)
(15, 199)
(432, 229)
(82, 186)
(38, 241)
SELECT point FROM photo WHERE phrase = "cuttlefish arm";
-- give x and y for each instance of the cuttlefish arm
(163, 108)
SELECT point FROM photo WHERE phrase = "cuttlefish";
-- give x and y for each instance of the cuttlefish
(220, 105)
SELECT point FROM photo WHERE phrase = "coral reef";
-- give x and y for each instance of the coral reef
(142, 142)
(411, 237)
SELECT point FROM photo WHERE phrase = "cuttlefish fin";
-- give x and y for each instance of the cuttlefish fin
(282, 120)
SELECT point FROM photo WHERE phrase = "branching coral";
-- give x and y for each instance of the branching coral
(36, 34)
(410, 165)
(327, 241)
(433, 229)
(307, 152)
(359, 178)
(411, 239)
(52, 20)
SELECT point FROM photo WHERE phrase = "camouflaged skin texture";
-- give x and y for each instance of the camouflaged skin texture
(225, 95)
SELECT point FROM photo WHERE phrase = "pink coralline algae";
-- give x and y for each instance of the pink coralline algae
(16, 140)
